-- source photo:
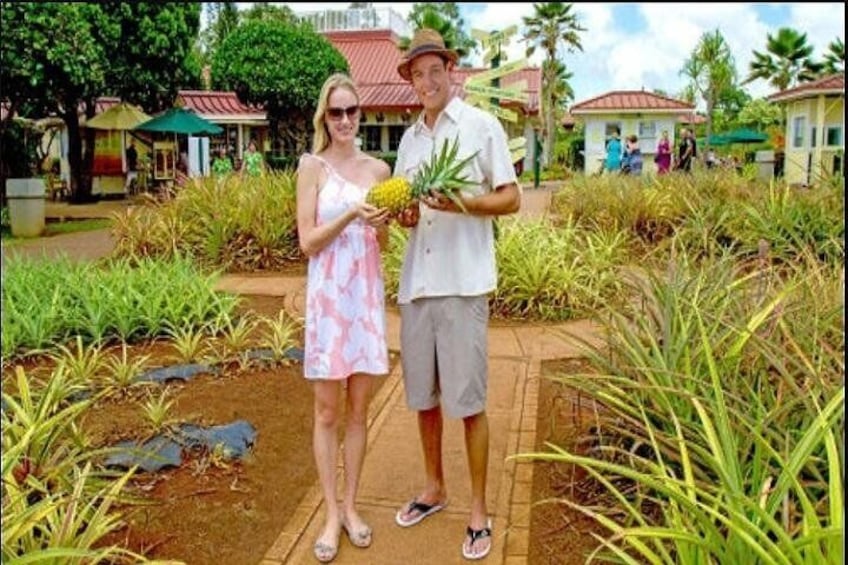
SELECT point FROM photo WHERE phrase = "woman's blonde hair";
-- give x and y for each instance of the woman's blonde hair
(321, 137)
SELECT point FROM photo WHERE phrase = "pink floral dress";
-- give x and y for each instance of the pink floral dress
(345, 305)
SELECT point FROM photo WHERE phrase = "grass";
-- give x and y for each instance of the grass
(60, 227)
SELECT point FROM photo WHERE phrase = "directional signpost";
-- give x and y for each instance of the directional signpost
(484, 90)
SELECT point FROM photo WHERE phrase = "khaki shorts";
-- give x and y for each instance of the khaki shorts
(444, 353)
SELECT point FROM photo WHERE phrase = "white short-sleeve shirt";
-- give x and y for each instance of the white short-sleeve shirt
(453, 254)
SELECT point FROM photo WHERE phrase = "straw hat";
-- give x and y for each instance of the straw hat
(423, 42)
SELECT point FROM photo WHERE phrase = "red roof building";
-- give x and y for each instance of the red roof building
(630, 112)
(830, 85)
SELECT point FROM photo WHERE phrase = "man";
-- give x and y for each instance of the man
(132, 163)
(686, 151)
(447, 273)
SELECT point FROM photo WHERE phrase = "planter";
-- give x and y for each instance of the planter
(25, 197)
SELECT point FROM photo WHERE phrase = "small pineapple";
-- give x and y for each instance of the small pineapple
(439, 174)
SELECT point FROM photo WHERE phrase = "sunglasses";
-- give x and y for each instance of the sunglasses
(337, 113)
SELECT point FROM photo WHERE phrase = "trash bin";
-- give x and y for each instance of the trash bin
(26, 206)
(765, 164)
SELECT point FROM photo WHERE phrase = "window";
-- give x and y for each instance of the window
(813, 136)
(371, 138)
(833, 136)
(798, 126)
(611, 128)
(647, 130)
(395, 133)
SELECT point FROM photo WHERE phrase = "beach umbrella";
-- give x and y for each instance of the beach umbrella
(121, 116)
(180, 121)
(744, 135)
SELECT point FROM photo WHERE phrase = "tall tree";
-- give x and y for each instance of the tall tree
(153, 57)
(270, 12)
(786, 61)
(554, 28)
(834, 58)
(55, 59)
(222, 19)
(711, 71)
(445, 18)
(59, 57)
(287, 87)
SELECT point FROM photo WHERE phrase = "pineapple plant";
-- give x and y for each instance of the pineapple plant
(441, 174)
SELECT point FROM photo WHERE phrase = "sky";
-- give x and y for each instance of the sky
(630, 46)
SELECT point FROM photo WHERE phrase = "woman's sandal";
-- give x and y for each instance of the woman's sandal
(359, 538)
(324, 552)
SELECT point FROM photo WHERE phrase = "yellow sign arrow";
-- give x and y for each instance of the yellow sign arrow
(518, 154)
(496, 37)
(503, 93)
(498, 72)
(502, 113)
(517, 143)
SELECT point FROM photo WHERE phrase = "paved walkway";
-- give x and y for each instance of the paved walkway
(393, 468)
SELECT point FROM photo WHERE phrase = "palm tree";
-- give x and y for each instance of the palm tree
(834, 59)
(786, 61)
(711, 71)
(430, 18)
(551, 26)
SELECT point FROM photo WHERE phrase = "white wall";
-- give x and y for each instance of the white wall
(595, 127)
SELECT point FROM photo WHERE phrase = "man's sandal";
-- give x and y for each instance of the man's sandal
(473, 536)
(421, 511)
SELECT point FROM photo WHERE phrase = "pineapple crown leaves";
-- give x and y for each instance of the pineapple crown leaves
(442, 173)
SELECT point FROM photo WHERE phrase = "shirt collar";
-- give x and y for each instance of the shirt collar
(452, 111)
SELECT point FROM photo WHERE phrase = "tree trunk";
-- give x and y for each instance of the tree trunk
(80, 150)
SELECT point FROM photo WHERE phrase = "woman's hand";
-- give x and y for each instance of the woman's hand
(371, 215)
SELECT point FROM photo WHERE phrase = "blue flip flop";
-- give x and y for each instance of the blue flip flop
(423, 510)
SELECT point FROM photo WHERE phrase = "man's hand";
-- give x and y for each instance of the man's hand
(438, 201)
(408, 217)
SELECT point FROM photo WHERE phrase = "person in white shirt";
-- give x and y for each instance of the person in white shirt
(448, 271)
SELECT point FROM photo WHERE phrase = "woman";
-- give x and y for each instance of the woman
(632, 156)
(222, 165)
(663, 156)
(345, 341)
(252, 164)
(612, 162)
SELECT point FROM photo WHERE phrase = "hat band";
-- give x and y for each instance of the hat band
(426, 47)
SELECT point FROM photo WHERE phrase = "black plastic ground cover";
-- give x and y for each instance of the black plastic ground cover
(169, 449)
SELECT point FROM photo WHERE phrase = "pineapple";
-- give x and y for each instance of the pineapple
(440, 174)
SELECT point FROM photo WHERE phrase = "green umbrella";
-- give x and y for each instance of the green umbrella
(180, 121)
(744, 135)
(715, 140)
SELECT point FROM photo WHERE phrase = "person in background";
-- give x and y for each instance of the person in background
(686, 151)
(612, 162)
(448, 272)
(253, 164)
(711, 160)
(345, 339)
(222, 165)
(663, 156)
(132, 168)
(632, 156)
